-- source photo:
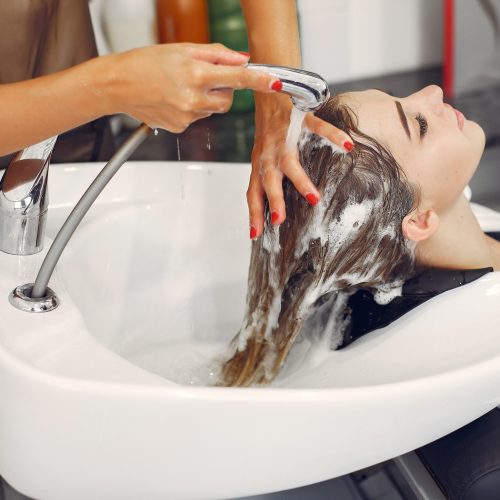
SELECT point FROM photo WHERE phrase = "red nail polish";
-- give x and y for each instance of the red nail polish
(274, 216)
(312, 199)
(348, 146)
(246, 54)
(277, 86)
(253, 233)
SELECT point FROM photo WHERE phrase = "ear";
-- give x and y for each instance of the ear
(419, 226)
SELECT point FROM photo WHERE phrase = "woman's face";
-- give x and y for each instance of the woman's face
(437, 147)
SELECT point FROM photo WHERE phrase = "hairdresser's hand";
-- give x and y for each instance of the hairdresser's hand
(272, 160)
(170, 86)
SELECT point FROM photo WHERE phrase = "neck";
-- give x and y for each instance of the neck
(459, 242)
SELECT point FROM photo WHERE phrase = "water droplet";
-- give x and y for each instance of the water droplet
(209, 145)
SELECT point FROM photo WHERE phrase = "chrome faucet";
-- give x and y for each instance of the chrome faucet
(307, 90)
(24, 199)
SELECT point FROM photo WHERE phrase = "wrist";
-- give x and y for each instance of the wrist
(273, 107)
(272, 115)
(100, 81)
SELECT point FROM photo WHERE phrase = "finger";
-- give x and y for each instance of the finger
(216, 53)
(255, 201)
(220, 100)
(290, 165)
(272, 182)
(328, 131)
(242, 78)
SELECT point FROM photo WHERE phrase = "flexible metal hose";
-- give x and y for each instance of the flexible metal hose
(78, 213)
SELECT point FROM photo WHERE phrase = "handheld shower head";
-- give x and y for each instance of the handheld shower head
(307, 90)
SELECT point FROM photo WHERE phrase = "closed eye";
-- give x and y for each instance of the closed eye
(422, 123)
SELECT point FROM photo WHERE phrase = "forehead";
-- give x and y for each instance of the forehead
(377, 116)
(369, 95)
(367, 102)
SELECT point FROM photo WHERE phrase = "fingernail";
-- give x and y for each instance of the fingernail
(276, 85)
(246, 54)
(253, 232)
(274, 216)
(312, 199)
(348, 146)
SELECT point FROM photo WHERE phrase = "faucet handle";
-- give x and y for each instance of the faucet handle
(24, 169)
(24, 200)
(41, 150)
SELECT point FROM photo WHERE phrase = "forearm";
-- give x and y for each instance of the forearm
(36, 109)
(273, 32)
(273, 36)
(166, 86)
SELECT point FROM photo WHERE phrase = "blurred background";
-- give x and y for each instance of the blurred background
(354, 44)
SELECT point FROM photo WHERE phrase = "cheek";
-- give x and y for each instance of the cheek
(463, 152)
(442, 173)
(463, 157)
(454, 165)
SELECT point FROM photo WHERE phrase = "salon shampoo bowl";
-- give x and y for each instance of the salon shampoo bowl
(160, 262)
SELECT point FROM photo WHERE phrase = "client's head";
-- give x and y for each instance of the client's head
(436, 147)
(407, 166)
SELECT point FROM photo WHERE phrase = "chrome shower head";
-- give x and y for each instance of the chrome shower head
(307, 90)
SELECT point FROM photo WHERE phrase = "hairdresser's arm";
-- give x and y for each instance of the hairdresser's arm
(274, 39)
(165, 86)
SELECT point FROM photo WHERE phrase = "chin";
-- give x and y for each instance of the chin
(476, 134)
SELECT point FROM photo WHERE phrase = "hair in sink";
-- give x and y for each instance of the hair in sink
(351, 239)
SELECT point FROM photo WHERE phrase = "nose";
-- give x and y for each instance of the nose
(432, 97)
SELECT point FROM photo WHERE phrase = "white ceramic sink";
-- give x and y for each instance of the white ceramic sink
(92, 404)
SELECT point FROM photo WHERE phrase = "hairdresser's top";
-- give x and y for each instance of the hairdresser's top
(38, 37)
(43, 36)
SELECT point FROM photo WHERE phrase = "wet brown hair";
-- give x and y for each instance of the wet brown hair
(319, 250)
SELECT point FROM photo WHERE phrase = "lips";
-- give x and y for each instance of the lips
(460, 119)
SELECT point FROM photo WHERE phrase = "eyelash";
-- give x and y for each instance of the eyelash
(422, 122)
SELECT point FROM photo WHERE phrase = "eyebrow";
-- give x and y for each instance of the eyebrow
(403, 119)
